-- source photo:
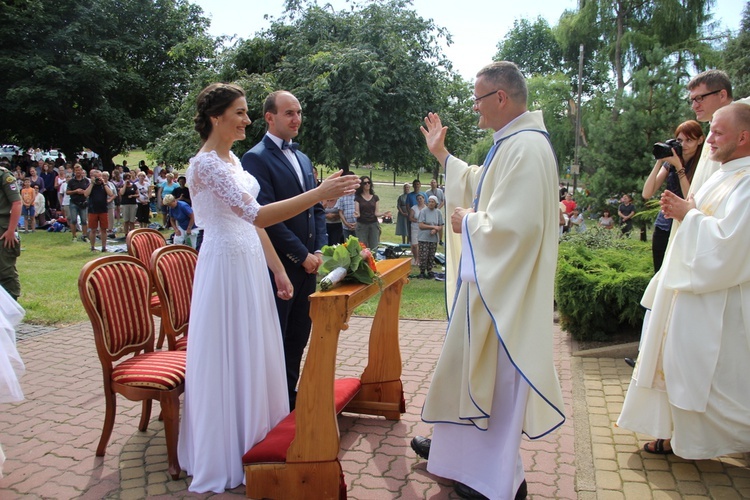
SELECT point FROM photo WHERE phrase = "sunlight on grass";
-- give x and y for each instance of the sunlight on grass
(50, 264)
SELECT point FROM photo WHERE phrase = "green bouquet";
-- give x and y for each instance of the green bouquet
(349, 261)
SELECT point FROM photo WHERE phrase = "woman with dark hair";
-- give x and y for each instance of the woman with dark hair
(678, 172)
(235, 383)
(366, 210)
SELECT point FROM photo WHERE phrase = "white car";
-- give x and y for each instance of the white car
(52, 154)
(7, 151)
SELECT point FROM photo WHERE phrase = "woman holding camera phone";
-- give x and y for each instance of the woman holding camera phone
(677, 170)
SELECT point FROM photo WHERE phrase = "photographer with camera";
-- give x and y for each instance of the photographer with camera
(98, 194)
(675, 162)
(129, 195)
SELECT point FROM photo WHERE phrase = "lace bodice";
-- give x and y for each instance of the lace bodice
(223, 197)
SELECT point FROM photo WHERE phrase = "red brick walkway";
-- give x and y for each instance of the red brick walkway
(50, 438)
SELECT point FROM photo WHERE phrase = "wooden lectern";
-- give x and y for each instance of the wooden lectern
(298, 459)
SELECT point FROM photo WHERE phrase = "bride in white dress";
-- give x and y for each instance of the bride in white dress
(235, 388)
(11, 365)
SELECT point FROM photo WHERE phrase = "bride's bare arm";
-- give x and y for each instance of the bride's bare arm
(333, 187)
(210, 174)
(284, 288)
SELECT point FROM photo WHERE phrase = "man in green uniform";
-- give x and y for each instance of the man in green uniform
(10, 213)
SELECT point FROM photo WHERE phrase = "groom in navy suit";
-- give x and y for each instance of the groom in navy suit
(283, 172)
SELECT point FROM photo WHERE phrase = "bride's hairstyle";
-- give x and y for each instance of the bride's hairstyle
(213, 101)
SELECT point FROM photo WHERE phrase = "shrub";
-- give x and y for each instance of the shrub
(599, 283)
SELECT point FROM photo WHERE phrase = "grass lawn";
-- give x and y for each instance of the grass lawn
(134, 157)
(50, 264)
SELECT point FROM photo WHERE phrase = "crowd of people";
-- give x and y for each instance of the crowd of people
(101, 204)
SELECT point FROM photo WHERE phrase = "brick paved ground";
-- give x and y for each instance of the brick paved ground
(50, 437)
(623, 470)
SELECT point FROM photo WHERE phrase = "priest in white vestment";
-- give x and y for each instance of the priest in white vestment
(495, 378)
(690, 382)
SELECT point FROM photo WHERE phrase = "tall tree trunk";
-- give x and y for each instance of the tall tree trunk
(620, 22)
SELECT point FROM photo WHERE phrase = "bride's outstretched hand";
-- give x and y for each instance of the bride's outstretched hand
(337, 185)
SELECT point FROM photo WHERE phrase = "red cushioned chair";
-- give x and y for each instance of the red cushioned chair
(141, 243)
(172, 269)
(115, 292)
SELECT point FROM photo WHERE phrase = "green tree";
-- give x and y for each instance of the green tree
(538, 54)
(532, 46)
(638, 56)
(624, 32)
(619, 157)
(736, 57)
(365, 77)
(103, 74)
(551, 94)
(179, 140)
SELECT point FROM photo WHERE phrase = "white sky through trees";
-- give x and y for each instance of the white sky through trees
(476, 25)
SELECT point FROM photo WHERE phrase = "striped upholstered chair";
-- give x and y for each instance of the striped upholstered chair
(172, 269)
(115, 291)
(141, 243)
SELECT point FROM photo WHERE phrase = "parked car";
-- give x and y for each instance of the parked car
(7, 151)
(52, 154)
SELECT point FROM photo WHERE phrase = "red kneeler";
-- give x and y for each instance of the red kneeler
(298, 459)
(274, 446)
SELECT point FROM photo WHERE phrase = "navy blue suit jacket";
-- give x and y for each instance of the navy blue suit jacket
(304, 233)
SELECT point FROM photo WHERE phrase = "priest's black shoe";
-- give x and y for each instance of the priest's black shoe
(470, 493)
(421, 446)
(523, 491)
(630, 362)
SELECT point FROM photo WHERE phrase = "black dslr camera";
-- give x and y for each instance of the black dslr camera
(664, 149)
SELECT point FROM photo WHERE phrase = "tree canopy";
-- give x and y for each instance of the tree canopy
(104, 74)
(736, 57)
(638, 56)
(365, 77)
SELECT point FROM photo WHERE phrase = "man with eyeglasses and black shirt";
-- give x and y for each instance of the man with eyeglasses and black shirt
(708, 92)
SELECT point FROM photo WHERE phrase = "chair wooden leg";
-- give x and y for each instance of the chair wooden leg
(145, 415)
(109, 421)
(160, 342)
(170, 410)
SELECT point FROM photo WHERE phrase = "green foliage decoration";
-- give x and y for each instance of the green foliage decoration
(737, 57)
(599, 283)
(105, 75)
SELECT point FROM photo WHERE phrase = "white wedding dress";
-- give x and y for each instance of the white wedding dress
(11, 365)
(235, 388)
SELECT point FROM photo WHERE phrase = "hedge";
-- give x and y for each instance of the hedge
(599, 283)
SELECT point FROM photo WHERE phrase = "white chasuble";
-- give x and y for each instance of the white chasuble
(512, 237)
(689, 383)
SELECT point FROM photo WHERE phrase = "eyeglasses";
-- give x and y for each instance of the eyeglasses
(366, 182)
(477, 99)
(699, 98)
